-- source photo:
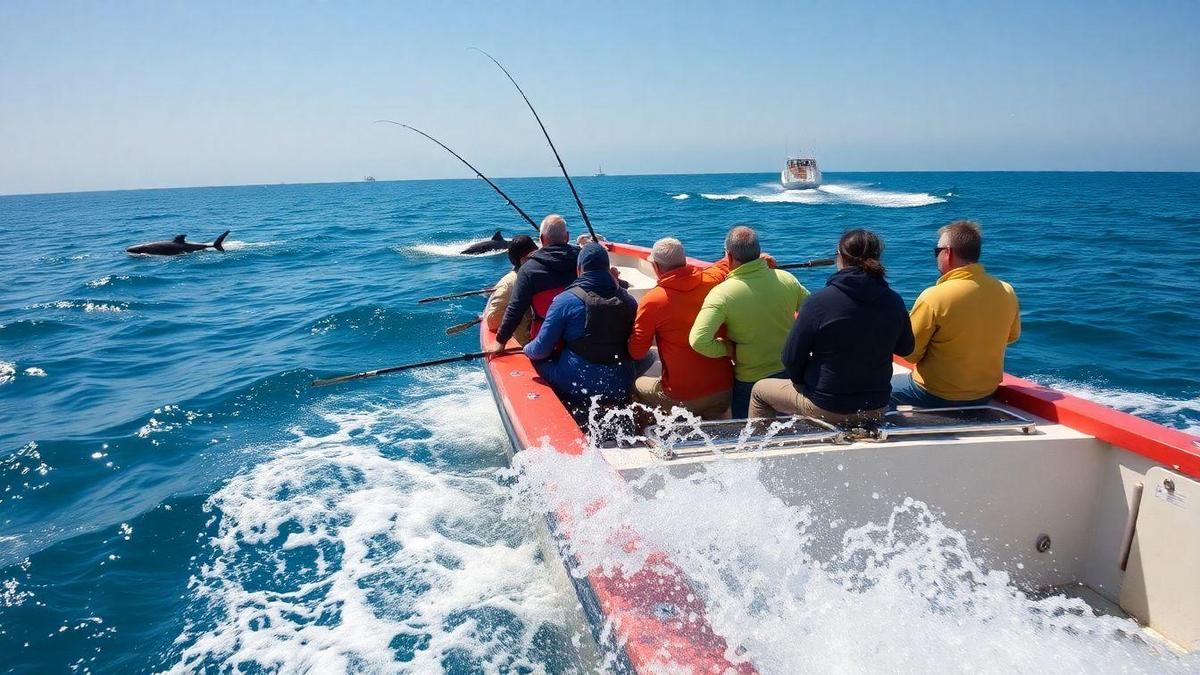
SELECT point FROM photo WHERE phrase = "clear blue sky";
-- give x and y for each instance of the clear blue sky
(100, 95)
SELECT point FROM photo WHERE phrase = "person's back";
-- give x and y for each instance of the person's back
(519, 250)
(592, 319)
(541, 278)
(670, 309)
(961, 327)
(757, 305)
(840, 351)
(838, 355)
(965, 321)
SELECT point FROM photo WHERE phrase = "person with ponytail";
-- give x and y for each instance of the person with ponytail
(838, 355)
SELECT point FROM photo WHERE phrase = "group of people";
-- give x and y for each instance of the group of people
(743, 338)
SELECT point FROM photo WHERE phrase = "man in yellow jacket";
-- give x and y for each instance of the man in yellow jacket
(961, 325)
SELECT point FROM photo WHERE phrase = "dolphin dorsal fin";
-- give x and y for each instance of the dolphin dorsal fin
(497, 236)
(179, 238)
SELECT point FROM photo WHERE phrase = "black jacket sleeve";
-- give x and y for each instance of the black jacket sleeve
(905, 342)
(518, 303)
(799, 345)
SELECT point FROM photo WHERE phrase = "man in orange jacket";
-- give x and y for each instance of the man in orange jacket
(689, 379)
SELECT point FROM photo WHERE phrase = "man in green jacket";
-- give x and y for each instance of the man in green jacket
(756, 305)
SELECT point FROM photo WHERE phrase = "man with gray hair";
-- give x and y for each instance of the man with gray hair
(541, 278)
(691, 380)
(756, 306)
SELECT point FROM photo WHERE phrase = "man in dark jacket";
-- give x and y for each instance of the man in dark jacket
(838, 355)
(592, 318)
(541, 278)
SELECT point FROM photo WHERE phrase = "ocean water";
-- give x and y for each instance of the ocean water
(175, 497)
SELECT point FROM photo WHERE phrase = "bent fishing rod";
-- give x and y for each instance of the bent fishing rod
(574, 192)
(471, 167)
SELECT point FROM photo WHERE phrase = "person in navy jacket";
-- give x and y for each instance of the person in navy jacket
(591, 320)
(838, 355)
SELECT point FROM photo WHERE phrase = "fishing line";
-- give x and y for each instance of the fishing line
(477, 172)
(578, 201)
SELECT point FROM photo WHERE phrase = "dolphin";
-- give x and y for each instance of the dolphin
(496, 243)
(176, 246)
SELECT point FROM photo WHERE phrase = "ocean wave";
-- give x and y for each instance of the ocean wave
(155, 216)
(8, 372)
(168, 418)
(85, 305)
(831, 194)
(1183, 414)
(371, 559)
(25, 328)
(681, 195)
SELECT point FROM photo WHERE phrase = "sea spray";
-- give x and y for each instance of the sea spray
(903, 595)
(341, 552)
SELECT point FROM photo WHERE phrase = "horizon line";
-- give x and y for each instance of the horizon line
(607, 175)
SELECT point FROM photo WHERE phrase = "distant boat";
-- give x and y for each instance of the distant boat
(369, 179)
(801, 173)
(600, 172)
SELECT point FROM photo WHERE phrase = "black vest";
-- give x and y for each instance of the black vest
(606, 331)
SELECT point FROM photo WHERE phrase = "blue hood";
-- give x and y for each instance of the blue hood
(595, 277)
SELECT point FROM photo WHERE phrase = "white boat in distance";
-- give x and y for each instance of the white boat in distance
(801, 173)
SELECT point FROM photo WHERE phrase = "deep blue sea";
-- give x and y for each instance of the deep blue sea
(174, 496)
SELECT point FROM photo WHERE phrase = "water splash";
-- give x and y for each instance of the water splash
(335, 555)
(904, 595)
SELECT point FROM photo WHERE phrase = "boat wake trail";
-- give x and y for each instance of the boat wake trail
(770, 193)
(902, 594)
(347, 550)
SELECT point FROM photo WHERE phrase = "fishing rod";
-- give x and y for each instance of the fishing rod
(820, 262)
(460, 327)
(471, 167)
(578, 201)
(409, 366)
(452, 296)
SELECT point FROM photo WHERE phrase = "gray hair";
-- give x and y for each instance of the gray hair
(742, 244)
(668, 254)
(554, 229)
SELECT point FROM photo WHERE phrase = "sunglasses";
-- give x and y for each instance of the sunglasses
(937, 250)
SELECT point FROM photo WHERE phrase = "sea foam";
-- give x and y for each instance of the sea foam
(770, 193)
(334, 555)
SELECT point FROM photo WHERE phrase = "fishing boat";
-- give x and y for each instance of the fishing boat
(599, 172)
(1065, 495)
(800, 173)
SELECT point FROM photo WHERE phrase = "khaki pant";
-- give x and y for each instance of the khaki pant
(772, 396)
(649, 390)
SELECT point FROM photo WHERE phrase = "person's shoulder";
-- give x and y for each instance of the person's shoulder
(931, 295)
(787, 278)
(654, 297)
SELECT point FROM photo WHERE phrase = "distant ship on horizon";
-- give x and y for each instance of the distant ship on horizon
(599, 172)
(800, 173)
(369, 179)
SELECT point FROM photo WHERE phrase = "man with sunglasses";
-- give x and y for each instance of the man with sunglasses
(961, 327)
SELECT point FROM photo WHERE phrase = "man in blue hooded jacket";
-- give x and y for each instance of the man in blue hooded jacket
(592, 318)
